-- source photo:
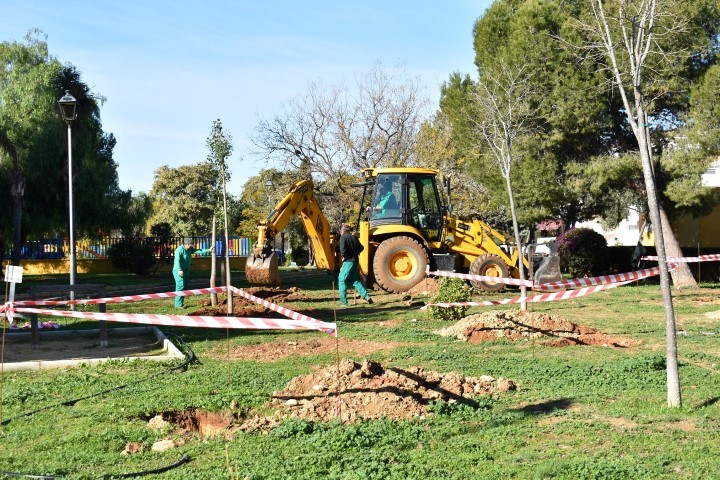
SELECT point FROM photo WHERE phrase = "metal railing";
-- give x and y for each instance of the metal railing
(57, 248)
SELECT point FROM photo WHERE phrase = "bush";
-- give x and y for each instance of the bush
(583, 252)
(451, 290)
(132, 254)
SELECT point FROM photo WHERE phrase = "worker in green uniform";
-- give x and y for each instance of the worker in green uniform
(181, 267)
(350, 249)
(387, 204)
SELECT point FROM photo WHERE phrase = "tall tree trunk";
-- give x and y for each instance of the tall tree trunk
(681, 276)
(17, 192)
(213, 266)
(518, 242)
(674, 398)
(227, 252)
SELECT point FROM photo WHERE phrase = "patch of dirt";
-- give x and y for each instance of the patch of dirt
(713, 315)
(709, 299)
(270, 352)
(429, 287)
(514, 325)
(622, 422)
(246, 308)
(206, 424)
(352, 391)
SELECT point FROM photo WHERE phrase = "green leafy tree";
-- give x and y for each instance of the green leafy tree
(184, 198)
(582, 118)
(26, 102)
(33, 147)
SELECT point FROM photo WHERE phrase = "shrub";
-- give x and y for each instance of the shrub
(132, 254)
(583, 252)
(451, 290)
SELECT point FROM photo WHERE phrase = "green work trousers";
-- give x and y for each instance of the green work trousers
(349, 275)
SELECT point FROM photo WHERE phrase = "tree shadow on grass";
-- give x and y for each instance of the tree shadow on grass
(709, 402)
(544, 408)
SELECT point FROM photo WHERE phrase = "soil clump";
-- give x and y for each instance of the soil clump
(514, 325)
(429, 287)
(353, 391)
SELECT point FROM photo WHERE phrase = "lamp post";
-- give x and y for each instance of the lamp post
(67, 105)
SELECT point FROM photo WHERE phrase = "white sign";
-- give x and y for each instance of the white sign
(13, 274)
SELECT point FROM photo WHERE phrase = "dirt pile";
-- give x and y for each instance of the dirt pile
(514, 325)
(246, 308)
(429, 287)
(352, 391)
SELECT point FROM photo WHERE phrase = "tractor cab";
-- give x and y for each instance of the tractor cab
(406, 196)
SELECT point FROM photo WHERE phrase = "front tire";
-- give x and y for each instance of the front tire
(490, 266)
(399, 264)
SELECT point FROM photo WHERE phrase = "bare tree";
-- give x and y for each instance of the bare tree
(505, 113)
(334, 132)
(628, 41)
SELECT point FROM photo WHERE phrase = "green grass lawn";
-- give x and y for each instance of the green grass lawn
(586, 412)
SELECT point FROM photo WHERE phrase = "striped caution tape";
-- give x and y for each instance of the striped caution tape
(480, 278)
(122, 299)
(271, 306)
(296, 320)
(545, 297)
(193, 321)
(601, 280)
(702, 258)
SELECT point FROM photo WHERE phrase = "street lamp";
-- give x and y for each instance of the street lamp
(67, 105)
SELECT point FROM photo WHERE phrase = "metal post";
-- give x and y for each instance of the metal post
(72, 216)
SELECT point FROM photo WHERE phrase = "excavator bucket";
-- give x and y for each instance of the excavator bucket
(262, 270)
(549, 269)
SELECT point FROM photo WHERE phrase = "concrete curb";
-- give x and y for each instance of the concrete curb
(171, 351)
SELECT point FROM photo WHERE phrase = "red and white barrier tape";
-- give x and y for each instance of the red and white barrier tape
(122, 299)
(545, 297)
(605, 279)
(296, 320)
(480, 278)
(193, 321)
(272, 306)
(702, 258)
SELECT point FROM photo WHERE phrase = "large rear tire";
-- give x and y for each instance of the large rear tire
(490, 266)
(399, 264)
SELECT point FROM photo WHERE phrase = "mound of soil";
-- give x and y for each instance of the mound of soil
(429, 287)
(516, 325)
(272, 351)
(246, 308)
(352, 391)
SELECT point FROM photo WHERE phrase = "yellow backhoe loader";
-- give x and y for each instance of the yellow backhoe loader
(404, 227)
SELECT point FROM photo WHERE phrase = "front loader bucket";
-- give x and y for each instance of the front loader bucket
(549, 270)
(262, 270)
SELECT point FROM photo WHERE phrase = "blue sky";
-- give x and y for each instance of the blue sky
(169, 68)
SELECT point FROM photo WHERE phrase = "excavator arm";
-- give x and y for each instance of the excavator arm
(262, 264)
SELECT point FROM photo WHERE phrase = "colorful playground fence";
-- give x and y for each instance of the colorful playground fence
(57, 248)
